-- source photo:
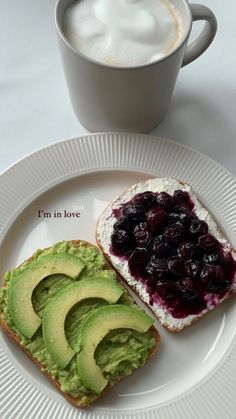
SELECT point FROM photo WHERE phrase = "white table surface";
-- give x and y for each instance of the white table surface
(34, 105)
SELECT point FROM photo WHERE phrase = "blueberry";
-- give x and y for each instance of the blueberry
(122, 224)
(173, 234)
(120, 241)
(142, 235)
(187, 250)
(181, 215)
(212, 272)
(146, 199)
(208, 243)
(156, 269)
(215, 257)
(229, 266)
(137, 261)
(160, 246)
(183, 199)
(156, 218)
(176, 266)
(165, 201)
(134, 212)
(174, 217)
(212, 277)
(192, 268)
(187, 289)
(197, 227)
(166, 290)
(181, 195)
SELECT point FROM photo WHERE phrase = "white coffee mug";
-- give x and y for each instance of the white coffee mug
(110, 98)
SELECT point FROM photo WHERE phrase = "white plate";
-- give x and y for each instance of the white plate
(193, 375)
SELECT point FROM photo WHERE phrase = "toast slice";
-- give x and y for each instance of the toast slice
(180, 283)
(94, 266)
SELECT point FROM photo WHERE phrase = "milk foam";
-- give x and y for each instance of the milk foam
(123, 32)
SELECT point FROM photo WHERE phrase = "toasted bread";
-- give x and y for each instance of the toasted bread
(16, 338)
(104, 231)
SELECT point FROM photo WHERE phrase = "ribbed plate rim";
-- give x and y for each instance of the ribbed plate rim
(189, 404)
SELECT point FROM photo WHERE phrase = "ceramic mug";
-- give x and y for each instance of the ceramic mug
(109, 98)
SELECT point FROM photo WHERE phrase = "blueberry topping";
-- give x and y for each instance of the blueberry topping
(120, 241)
(229, 265)
(181, 215)
(156, 269)
(174, 233)
(176, 266)
(187, 289)
(134, 212)
(214, 257)
(197, 227)
(208, 243)
(166, 290)
(192, 268)
(174, 217)
(122, 224)
(142, 235)
(137, 261)
(156, 218)
(187, 250)
(146, 199)
(212, 277)
(212, 272)
(160, 246)
(183, 198)
(170, 251)
(165, 201)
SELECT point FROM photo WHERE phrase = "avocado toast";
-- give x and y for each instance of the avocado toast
(67, 312)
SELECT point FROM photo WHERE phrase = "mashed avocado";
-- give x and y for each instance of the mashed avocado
(119, 352)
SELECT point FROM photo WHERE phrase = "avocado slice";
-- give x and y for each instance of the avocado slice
(22, 286)
(57, 309)
(94, 328)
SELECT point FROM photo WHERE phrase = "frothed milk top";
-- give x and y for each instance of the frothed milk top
(123, 32)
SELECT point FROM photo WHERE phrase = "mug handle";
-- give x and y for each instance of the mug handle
(202, 42)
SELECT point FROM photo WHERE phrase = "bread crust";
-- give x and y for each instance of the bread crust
(172, 329)
(16, 339)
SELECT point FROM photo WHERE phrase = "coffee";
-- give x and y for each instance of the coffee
(123, 32)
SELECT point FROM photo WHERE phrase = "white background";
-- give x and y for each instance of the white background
(35, 109)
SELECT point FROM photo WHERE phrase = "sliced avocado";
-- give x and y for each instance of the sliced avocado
(94, 328)
(22, 286)
(57, 309)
